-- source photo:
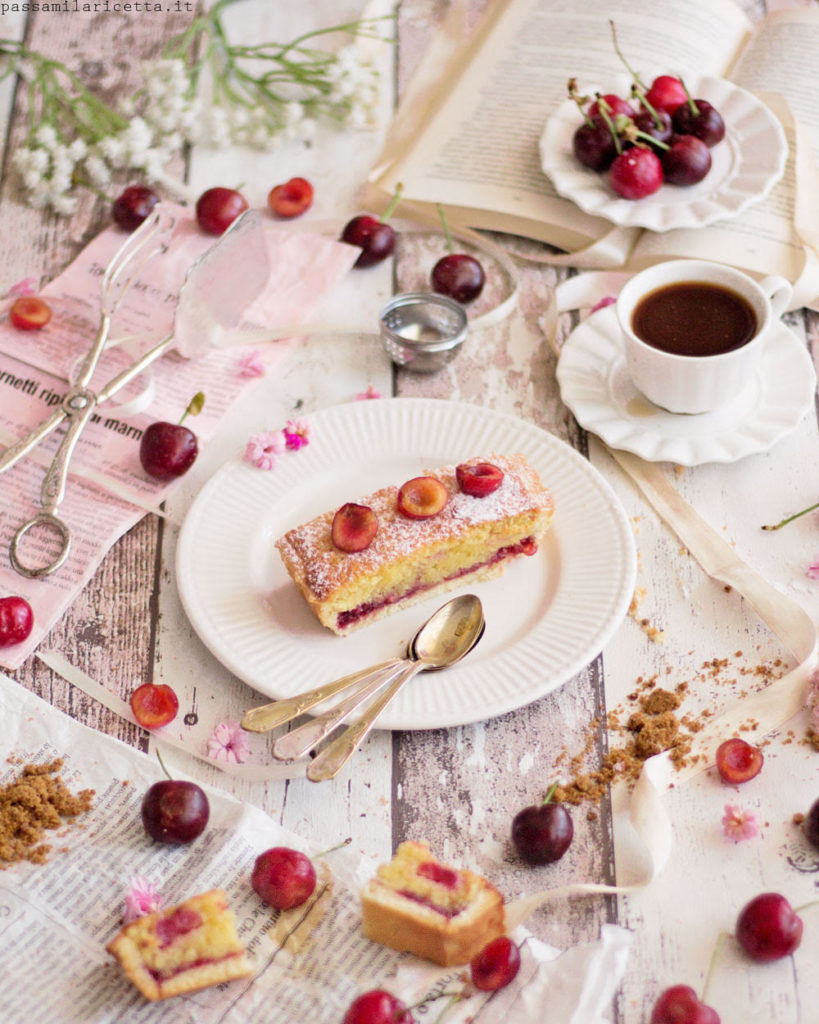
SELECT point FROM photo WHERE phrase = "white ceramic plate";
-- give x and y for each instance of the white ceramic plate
(547, 617)
(746, 164)
(595, 385)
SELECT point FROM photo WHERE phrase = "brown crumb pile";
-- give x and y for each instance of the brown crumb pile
(35, 801)
(652, 722)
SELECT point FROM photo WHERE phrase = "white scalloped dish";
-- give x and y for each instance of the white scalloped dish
(746, 164)
(595, 385)
(547, 617)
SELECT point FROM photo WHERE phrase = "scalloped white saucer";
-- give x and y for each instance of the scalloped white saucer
(595, 385)
(746, 164)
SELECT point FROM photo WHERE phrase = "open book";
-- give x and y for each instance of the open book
(467, 133)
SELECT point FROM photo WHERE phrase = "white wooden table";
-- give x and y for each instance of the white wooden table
(459, 788)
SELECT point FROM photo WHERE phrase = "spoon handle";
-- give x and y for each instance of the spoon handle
(303, 739)
(268, 716)
(334, 756)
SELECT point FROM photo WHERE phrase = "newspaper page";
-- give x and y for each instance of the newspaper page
(309, 963)
(108, 491)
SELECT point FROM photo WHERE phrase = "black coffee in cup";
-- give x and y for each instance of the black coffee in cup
(694, 318)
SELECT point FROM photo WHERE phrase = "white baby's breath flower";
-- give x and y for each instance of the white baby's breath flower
(46, 136)
(77, 149)
(98, 170)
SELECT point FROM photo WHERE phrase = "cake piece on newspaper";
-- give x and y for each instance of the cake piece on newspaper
(419, 905)
(182, 949)
(400, 545)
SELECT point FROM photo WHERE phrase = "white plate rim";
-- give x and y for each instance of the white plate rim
(592, 542)
(758, 153)
(592, 365)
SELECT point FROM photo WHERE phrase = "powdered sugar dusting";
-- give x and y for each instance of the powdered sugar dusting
(309, 551)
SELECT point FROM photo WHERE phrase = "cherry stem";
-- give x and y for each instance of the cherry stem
(640, 95)
(790, 519)
(712, 963)
(692, 106)
(604, 108)
(162, 764)
(579, 100)
(805, 906)
(633, 74)
(630, 131)
(447, 234)
(454, 997)
(332, 849)
(550, 793)
(399, 188)
(194, 406)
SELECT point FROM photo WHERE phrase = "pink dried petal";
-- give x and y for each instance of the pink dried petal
(812, 571)
(738, 824)
(607, 300)
(142, 898)
(262, 449)
(296, 434)
(228, 743)
(251, 365)
(369, 393)
(28, 286)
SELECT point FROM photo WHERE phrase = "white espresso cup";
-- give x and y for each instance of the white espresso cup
(693, 378)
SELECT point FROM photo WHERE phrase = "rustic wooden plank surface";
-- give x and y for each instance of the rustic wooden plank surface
(457, 788)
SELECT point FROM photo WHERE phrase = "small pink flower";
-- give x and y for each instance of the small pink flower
(141, 899)
(369, 393)
(295, 434)
(262, 449)
(738, 824)
(608, 300)
(251, 365)
(228, 743)
(28, 286)
(813, 570)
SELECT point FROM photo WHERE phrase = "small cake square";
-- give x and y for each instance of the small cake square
(419, 905)
(182, 949)
(400, 545)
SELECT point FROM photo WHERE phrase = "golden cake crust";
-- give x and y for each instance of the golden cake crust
(205, 955)
(420, 556)
(408, 924)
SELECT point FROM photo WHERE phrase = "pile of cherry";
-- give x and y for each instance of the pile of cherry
(659, 135)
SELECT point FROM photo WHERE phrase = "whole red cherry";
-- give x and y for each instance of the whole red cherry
(16, 620)
(542, 833)
(496, 966)
(636, 173)
(132, 206)
(680, 1005)
(768, 928)
(284, 878)
(375, 239)
(168, 450)
(378, 1006)
(175, 811)
(217, 208)
(666, 93)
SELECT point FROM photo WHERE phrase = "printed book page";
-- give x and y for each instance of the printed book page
(310, 962)
(477, 151)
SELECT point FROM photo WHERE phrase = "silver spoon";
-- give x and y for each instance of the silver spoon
(445, 638)
(301, 740)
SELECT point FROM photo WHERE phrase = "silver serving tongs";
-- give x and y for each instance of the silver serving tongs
(196, 304)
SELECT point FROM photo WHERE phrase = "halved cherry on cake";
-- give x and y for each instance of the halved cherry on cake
(422, 497)
(480, 479)
(354, 527)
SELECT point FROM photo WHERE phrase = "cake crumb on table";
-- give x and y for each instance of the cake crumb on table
(36, 801)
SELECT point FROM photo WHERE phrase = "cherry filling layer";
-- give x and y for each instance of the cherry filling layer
(527, 546)
(438, 873)
(180, 922)
(447, 912)
(160, 976)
